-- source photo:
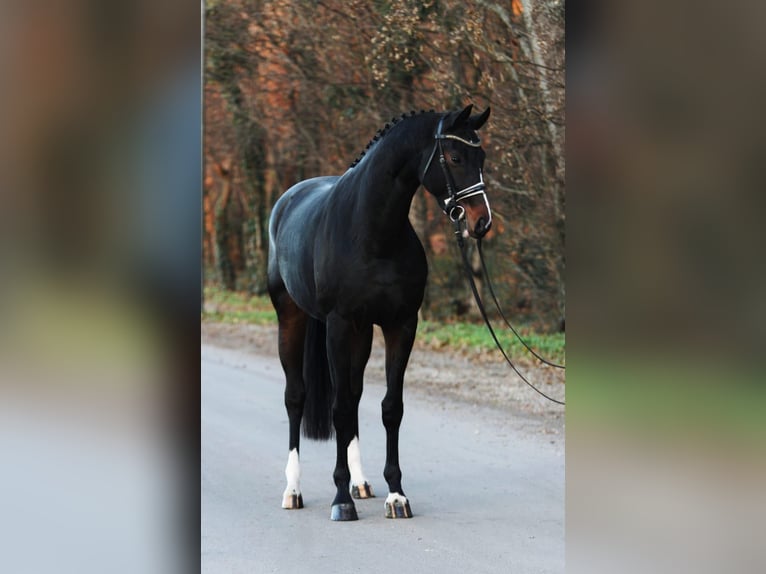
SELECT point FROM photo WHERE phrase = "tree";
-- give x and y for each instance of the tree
(302, 86)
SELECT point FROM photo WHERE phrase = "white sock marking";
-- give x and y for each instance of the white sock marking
(293, 473)
(395, 496)
(355, 463)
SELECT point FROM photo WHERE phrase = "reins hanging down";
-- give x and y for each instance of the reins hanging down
(474, 290)
(456, 214)
(499, 310)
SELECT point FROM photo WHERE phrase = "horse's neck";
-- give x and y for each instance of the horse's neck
(390, 179)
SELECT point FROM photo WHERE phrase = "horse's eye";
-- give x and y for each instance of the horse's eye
(454, 159)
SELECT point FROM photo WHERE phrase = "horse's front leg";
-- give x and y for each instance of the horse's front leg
(348, 348)
(399, 341)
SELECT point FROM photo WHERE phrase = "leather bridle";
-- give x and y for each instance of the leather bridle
(451, 207)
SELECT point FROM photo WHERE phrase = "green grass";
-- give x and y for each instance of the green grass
(236, 307)
(475, 337)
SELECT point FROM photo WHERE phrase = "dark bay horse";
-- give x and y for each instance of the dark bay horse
(342, 257)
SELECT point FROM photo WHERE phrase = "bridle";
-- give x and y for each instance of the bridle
(454, 211)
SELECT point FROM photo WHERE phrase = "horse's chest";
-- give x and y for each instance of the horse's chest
(396, 290)
(381, 291)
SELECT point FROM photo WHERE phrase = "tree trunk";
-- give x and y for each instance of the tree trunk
(225, 265)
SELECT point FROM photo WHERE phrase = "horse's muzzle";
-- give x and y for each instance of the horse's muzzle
(481, 228)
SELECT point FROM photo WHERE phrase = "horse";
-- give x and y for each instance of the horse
(343, 256)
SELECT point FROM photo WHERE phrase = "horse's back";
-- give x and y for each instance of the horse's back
(292, 232)
(301, 202)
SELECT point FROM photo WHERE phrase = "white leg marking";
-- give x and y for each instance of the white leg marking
(355, 463)
(396, 497)
(293, 474)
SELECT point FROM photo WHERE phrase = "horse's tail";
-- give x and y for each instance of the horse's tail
(317, 408)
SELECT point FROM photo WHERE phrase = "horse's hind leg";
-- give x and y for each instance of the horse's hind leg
(399, 341)
(292, 333)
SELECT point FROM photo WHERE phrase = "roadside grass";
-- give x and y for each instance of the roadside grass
(237, 307)
(474, 337)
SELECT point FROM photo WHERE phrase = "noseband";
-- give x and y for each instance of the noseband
(451, 207)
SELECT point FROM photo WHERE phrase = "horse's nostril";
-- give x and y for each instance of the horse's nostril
(481, 227)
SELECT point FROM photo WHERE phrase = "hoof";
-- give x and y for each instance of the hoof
(292, 501)
(397, 506)
(343, 512)
(362, 491)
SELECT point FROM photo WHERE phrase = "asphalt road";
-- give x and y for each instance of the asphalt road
(486, 489)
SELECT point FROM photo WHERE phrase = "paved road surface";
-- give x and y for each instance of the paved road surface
(487, 493)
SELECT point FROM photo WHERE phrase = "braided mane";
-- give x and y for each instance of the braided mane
(383, 131)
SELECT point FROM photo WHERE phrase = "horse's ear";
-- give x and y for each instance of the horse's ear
(462, 117)
(479, 120)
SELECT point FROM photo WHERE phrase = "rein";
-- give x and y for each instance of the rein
(477, 297)
(499, 310)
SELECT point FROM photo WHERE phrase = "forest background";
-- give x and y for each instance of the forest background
(295, 89)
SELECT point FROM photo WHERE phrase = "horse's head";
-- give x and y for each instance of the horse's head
(452, 170)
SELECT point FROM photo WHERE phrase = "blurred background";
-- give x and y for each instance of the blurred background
(665, 386)
(100, 284)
